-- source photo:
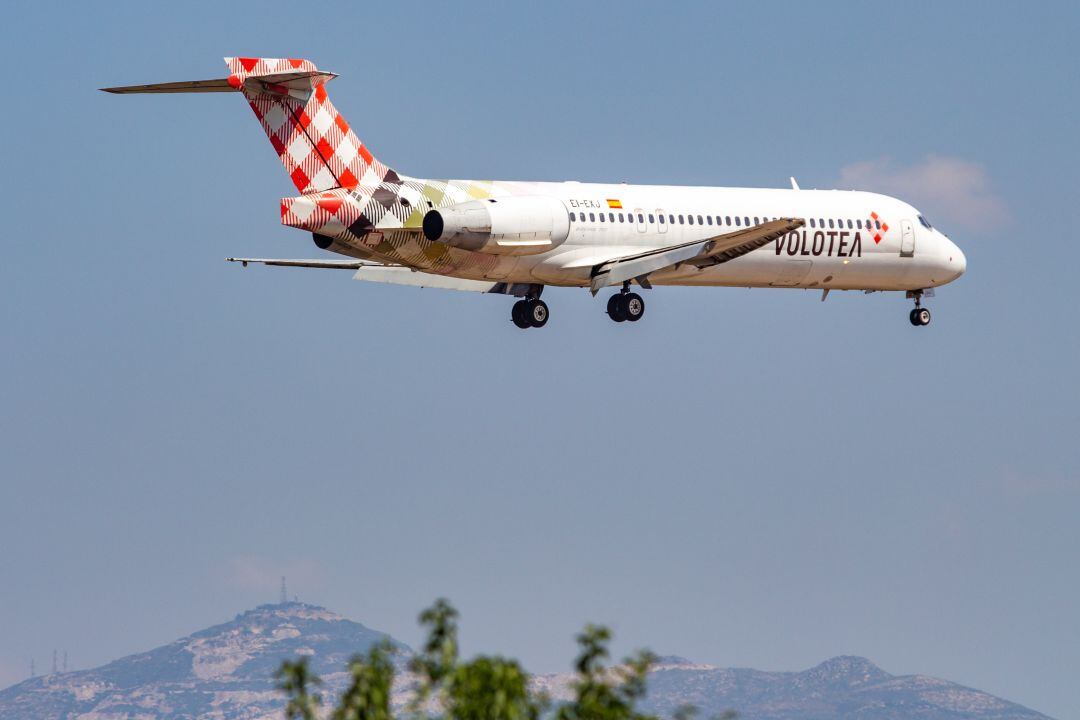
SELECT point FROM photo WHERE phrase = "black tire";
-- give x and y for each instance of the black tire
(520, 314)
(914, 317)
(923, 316)
(633, 307)
(538, 313)
(615, 308)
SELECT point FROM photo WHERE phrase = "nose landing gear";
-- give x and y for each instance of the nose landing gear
(919, 316)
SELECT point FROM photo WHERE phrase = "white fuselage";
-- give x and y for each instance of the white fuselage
(835, 249)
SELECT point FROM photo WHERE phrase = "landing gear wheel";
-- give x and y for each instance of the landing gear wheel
(537, 313)
(520, 314)
(633, 306)
(919, 316)
(616, 310)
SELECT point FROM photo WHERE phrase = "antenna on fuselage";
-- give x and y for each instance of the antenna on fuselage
(794, 185)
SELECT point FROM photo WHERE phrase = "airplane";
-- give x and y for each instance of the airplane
(516, 238)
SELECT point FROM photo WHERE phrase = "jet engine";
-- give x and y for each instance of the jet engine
(501, 226)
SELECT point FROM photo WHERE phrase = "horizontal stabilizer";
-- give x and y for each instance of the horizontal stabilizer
(277, 83)
(398, 275)
(184, 86)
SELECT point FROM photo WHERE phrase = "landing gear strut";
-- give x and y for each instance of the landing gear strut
(625, 305)
(530, 312)
(919, 316)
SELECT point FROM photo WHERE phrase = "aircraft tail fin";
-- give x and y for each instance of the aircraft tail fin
(314, 142)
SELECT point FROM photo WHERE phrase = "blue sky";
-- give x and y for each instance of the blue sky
(746, 477)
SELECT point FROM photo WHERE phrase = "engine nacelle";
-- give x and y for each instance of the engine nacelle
(501, 226)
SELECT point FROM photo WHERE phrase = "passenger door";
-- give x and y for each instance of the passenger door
(907, 239)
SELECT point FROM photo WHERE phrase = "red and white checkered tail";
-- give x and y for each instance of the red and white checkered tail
(317, 147)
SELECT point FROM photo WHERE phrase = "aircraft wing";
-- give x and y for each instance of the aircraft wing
(398, 275)
(328, 264)
(700, 253)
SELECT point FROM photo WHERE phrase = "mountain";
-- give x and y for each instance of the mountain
(843, 687)
(226, 672)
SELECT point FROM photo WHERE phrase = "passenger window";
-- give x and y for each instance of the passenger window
(746, 221)
(640, 218)
(738, 220)
(727, 219)
(858, 224)
(682, 220)
(651, 218)
(660, 218)
(830, 223)
(812, 224)
(573, 218)
(621, 218)
(699, 221)
(877, 224)
(671, 219)
(848, 224)
(709, 218)
(690, 219)
(592, 217)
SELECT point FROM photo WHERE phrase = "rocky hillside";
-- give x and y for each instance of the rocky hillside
(226, 672)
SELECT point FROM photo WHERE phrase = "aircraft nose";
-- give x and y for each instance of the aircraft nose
(957, 259)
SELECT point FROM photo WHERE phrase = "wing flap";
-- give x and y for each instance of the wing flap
(416, 278)
(700, 253)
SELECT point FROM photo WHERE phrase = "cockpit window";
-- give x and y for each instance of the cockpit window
(925, 223)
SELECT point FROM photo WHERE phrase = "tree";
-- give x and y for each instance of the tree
(294, 679)
(484, 688)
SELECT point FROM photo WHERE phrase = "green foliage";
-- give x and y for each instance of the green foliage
(368, 695)
(484, 688)
(490, 688)
(293, 679)
(439, 655)
(601, 693)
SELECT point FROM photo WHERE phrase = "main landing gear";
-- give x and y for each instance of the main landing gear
(625, 305)
(530, 312)
(919, 316)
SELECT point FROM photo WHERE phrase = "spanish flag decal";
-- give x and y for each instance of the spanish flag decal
(614, 204)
